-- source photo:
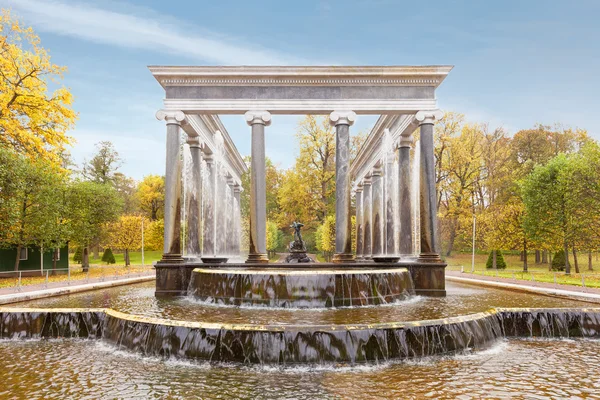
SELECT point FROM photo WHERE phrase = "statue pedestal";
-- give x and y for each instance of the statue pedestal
(298, 253)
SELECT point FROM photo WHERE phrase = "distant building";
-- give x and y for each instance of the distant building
(32, 260)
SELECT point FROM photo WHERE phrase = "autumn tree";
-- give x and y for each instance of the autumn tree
(151, 196)
(125, 234)
(33, 121)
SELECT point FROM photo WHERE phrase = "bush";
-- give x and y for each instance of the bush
(558, 261)
(500, 263)
(78, 256)
(108, 256)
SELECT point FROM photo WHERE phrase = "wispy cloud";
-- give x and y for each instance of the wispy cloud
(84, 21)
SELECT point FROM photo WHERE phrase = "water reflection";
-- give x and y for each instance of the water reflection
(461, 299)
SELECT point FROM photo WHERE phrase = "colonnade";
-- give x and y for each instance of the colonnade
(378, 221)
(212, 205)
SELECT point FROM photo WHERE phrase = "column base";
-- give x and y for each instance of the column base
(343, 258)
(257, 258)
(429, 257)
(171, 258)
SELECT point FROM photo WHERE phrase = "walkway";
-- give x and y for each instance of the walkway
(546, 288)
(38, 291)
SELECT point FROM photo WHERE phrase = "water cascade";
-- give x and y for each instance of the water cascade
(294, 344)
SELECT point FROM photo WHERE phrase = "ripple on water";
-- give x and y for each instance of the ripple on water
(511, 368)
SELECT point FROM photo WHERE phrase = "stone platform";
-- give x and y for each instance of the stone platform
(173, 279)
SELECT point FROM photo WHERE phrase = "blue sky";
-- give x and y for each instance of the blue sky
(517, 63)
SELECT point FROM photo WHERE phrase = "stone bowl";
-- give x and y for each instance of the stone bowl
(214, 260)
(386, 259)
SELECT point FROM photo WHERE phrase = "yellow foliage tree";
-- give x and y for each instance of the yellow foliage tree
(151, 196)
(154, 235)
(126, 234)
(32, 122)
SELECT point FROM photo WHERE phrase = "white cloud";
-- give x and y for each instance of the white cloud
(149, 33)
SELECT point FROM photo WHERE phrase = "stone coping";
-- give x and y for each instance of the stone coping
(294, 271)
(293, 328)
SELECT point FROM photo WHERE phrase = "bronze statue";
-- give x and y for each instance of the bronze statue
(297, 234)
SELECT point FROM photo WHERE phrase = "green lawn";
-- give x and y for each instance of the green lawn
(536, 272)
(135, 257)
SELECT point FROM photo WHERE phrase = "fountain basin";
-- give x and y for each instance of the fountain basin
(297, 344)
(300, 288)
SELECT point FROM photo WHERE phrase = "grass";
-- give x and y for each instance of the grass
(135, 257)
(536, 272)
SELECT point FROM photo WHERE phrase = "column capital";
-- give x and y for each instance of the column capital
(170, 116)
(377, 171)
(194, 141)
(345, 117)
(429, 116)
(359, 188)
(367, 181)
(405, 141)
(258, 117)
(237, 188)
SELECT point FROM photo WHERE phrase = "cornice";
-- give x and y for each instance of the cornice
(300, 76)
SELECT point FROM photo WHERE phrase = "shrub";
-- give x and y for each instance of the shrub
(500, 263)
(558, 261)
(108, 256)
(78, 256)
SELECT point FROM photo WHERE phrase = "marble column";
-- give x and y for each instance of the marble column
(377, 219)
(237, 217)
(389, 203)
(359, 221)
(208, 207)
(172, 227)
(194, 200)
(230, 216)
(404, 195)
(342, 120)
(428, 197)
(258, 187)
(220, 210)
(367, 251)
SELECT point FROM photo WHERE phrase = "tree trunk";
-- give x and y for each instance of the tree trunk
(18, 258)
(549, 261)
(590, 268)
(538, 257)
(97, 250)
(522, 256)
(127, 257)
(494, 257)
(54, 259)
(567, 265)
(575, 261)
(85, 259)
(451, 239)
(544, 256)
(525, 255)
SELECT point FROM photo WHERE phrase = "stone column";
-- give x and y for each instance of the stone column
(172, 228)
(194, 200)
(237, 230)
(208, 207)
(220, 210)
(342, 120)
(377, 220)
(404, 196)
(367, 251)
(258, 188)
(389, 203)
(428, 197)
(359, 222)
(230, 216)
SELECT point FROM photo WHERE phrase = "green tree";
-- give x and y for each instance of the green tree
(102, 168)
(78, 255)
(125, 234)
(91, 205)
(274, 237)
(495, 260)
(108, 256)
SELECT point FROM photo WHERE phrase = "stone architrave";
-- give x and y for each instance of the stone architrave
(258, 187)
(342, 120)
